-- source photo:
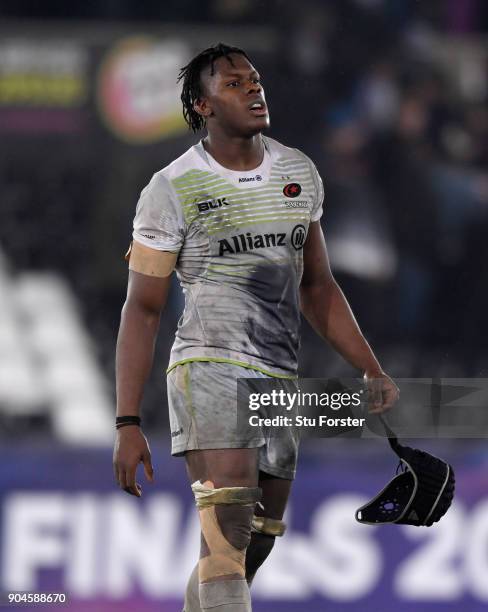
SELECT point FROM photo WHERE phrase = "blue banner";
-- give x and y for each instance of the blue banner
(66, 528)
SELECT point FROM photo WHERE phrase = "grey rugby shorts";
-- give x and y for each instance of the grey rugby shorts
(203, 409)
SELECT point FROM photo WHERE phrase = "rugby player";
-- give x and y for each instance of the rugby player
(238, 217)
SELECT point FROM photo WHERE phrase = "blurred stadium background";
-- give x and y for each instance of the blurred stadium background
(389, 97)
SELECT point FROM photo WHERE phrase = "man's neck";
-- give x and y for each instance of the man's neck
(235, 153)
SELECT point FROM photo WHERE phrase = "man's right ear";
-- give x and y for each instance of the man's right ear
(202, 107)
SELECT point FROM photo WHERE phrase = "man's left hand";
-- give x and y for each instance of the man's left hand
(383, 392)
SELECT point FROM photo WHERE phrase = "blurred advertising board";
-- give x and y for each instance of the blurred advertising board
(44, 85)
(104, 80)
(66, 529)
(64, 86)
(137, 92)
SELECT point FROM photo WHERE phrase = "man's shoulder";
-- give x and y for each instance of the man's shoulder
(189, 161)
(279, 151)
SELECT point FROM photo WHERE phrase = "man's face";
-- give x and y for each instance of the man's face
(234, 97)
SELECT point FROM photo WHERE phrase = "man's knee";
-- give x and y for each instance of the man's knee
(235, 524)
(225, 517)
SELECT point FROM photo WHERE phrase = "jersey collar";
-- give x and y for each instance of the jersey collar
(243, 179)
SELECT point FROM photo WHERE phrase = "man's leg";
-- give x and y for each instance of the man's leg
(274, 499)
(226, 498)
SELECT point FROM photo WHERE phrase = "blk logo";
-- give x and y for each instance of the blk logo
(212, 204)
(292, 190)
(298, 236)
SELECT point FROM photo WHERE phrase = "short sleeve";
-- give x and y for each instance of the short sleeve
(158, 222)
(317, 208)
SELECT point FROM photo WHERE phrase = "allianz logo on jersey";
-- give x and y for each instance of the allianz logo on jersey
(241, 243)
(250, 179)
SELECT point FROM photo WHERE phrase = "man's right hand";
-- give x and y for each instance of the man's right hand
(131, 448)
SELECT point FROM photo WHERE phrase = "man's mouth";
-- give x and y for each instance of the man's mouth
(258, 108)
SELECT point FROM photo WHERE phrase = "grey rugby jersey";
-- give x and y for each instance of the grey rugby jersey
(239, 238)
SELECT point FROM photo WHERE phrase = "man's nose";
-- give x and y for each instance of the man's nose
(254, 87)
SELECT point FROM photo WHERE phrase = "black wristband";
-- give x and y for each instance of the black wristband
(127, 420)
(120, 425)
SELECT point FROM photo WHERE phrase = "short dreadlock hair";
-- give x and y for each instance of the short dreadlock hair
(192, 86)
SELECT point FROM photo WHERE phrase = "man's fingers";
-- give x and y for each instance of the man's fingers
(375, 394)
(148, 468)
(137, 491)
(378, 392)
(121, 478)
(391, 396)
(130, 482)
(376, 410)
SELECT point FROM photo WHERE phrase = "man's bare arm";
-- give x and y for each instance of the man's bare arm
(326, 309)
(146, 297)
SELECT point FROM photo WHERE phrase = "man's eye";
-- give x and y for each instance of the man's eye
(233, 84)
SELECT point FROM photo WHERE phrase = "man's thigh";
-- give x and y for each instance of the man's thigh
(229, 467)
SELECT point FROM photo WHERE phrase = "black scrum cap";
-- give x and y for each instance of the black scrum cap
(420, 495)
